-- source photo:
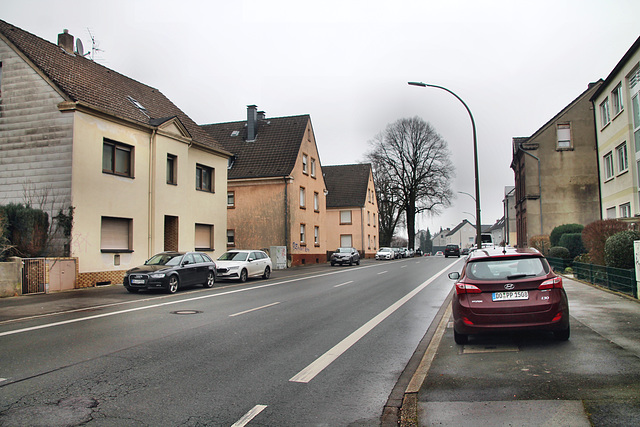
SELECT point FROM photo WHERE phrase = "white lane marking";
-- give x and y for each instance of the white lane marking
(246, 418)
(342, 284)
(404, 266)
(254, 309)
(317, 366)
(383, 272)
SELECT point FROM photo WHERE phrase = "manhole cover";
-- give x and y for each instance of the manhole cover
(186, 312)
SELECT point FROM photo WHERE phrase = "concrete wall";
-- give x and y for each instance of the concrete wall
(10, 278)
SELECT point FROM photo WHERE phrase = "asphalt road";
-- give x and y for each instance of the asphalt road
(322, 347)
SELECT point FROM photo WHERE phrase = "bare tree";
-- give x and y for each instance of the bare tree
(417, 162)
(390, 209)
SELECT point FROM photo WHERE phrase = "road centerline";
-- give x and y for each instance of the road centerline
(254, 309)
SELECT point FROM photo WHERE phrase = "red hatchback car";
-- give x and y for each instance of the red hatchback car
(506, 289)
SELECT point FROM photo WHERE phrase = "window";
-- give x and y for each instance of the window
(611, 213)
(635, 104)
(204, 237)
(303, 234)
(303, 197)
(231, 237)
(345, 240)
(616, 100)
(345, 218)
(374, 219)
(564, 136)
(374, 242)
(621, 153)
(313, 167)
(316, 201)
(316, 235)
(116, 234)
(117, 158)
(172, 164)
(625, 210)
(305, 161)
(369, 241)
(231, 199)
(204, 178)
(368, 219)
(608, 166)
(605, 117)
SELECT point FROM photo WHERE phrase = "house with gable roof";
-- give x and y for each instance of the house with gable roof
(276, 189)
(141, 176)
(352, 208)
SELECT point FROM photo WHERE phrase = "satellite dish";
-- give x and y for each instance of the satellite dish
(79, 47)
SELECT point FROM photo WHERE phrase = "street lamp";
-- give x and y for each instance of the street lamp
(475, 159)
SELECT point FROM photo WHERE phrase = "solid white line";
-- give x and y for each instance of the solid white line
(309, 373)
(249, 416)
(342, 284)
(254, 309)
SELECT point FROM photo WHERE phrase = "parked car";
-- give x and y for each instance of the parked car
(508, 289)
(385, 253)
(171, 271)
(345, 256)
(418, 252)
(439, 253)
(242, 264)
(452, 250)
(397, 253)
(464, 251)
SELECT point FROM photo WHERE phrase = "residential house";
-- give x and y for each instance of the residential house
(440, 240)
(276, 191)
(463, 235)
(556, 172)
(497, 232)
(352, 208)
(617, 109)
(509, 203)
(141, 176)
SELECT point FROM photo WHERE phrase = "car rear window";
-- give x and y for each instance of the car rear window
(507, 268)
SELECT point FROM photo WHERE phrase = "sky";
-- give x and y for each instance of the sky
(346, 63)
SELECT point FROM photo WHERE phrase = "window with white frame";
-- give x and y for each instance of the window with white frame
(231, 199)
(605, 117)
(345, 217)
(608, 165)
(564, 136)
(621, 154)
(625, 210)
(316, 235)
(231, 237)
(313, 167)
(116, 234)
(616, 100)
(634, 93)
(611, 213)
(305, 164)
(345, 241)
(303, 234)
(316, 201)
(303, 196)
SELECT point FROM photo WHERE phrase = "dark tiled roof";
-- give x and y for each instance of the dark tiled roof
(346, 184)
(96, 86)
(274, 151)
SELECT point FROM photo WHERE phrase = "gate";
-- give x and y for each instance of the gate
(33, 275)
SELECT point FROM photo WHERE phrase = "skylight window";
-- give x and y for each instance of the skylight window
(138, 105)
(235, 133)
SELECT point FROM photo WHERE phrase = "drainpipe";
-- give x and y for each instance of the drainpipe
(151, 198)
(286, 215)
(539, 184)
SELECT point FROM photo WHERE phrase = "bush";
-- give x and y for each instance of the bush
(595, 235)
(573, 242)
(541, 243)
(583, 258)
(618, 250)
(27, 230)
(559, 252)
(560, 230)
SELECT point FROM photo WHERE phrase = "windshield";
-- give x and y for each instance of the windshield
(165, 259)
(233, 256)
(507, 268)
(344, 250)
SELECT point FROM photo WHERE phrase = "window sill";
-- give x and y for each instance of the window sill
(622, 173)
(116, 251)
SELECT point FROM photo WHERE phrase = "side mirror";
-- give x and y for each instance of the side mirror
(250, 259)
(454, 276)
(185, 262)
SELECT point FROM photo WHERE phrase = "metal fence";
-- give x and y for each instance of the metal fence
(616, 279)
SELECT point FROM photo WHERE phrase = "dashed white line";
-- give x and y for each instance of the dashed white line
(249, 416)
(342, 284)
(383, 272)
(254, 309)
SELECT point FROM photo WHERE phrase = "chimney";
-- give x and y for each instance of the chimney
(261, 115)
(252, 122)
(65, 41)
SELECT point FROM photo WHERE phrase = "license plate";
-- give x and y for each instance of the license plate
(510, 296)
(137, 281)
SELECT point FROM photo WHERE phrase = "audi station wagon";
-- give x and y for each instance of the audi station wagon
(505, 290)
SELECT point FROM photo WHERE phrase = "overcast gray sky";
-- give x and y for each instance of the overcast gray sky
(347, 63)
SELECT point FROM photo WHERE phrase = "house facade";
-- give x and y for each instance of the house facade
(509, 205)
(617, 109)
(276, 195)
(556, 173)
(463, 235)
(352, 208)
(139, 174)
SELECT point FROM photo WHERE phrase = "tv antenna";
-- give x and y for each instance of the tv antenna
(94, 46)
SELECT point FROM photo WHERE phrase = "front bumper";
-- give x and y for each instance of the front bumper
(145, 282)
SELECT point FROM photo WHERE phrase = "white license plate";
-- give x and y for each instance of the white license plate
(137, 281)
(510, 296)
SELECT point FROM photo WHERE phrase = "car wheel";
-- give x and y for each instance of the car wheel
(358, 261)
(460, 338)
(267, 272)
(211, 280)
(332, 263)
(243, 275)
(562, 335)
(132, 290)
(173, 285)
(350, 261)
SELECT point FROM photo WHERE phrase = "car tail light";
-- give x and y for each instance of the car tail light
(555, 283)
(466, 288)
(557, 317)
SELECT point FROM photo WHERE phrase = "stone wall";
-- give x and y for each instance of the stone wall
(10, 280)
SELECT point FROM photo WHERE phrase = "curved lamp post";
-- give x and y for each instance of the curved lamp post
(475, 159)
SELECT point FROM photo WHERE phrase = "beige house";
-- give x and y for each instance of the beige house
(352, 208)
(556, 172)
(141, 176)
(617, 106)
(276, 190)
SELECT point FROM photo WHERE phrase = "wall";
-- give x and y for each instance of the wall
(10, 278)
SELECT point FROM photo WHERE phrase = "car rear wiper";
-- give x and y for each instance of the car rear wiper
(519, 276)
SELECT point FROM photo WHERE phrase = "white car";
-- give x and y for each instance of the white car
(385, 253)
(242, 264)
